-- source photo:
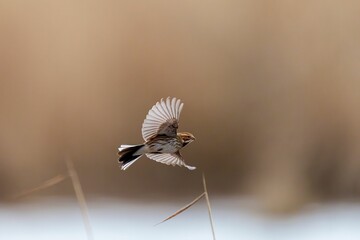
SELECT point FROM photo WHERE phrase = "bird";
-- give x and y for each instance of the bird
(162, 141)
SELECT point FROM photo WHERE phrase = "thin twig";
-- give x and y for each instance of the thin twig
(182, 209)
(46, 184)
(209, 207)
(80, 197)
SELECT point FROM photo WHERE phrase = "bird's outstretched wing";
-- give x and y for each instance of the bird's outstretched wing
(162, 118)
(170, 159)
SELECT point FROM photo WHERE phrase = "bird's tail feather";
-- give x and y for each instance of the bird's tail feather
(129, 154)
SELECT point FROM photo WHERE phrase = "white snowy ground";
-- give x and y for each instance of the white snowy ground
(44, 219)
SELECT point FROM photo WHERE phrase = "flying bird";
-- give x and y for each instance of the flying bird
(162, 141)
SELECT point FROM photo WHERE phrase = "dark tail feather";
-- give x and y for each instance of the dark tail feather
(128, 155)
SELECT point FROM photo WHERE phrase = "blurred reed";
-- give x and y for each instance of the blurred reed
(187, 206)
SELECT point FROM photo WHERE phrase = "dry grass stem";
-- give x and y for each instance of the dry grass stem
(48, 183)
(182, 209)
(205, 193)
(209, 207)
(80, 197)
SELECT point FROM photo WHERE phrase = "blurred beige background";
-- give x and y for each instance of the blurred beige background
(271, 91)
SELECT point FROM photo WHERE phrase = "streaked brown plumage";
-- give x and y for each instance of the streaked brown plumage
(162, 141)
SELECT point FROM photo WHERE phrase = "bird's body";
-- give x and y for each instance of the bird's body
(162, 142)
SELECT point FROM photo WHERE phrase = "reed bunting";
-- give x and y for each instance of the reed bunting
(162, 141)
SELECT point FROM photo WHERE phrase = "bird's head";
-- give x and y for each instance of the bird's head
(186, 138)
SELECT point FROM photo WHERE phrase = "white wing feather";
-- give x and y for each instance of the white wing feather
(160, 113)
(169, 159)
